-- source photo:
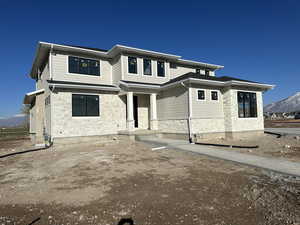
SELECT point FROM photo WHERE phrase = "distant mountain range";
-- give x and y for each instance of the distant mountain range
(290, 104)
(13, 121)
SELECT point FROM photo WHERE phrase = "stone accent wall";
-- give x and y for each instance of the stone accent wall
(235, 124)
(111, 120)
(207, 125)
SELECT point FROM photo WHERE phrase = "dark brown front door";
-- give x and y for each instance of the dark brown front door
(135, 111)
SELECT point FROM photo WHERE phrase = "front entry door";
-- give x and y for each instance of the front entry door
(135, 111)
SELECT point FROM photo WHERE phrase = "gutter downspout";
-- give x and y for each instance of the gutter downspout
(189, 113)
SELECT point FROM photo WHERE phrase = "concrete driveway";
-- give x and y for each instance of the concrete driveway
(272, 164)
(288, 131)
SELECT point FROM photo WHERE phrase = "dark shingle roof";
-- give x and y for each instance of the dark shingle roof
(89, 48)
(203, 77)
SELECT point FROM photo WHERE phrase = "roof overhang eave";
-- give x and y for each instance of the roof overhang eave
(200, 64)
(144, 86)
(28, 98)
(84, 87)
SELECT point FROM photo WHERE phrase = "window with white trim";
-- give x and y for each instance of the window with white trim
(161, 69)
(85, 105)
(147, 67)
(132, 64)
(201, 95)
(84, 66)
(214, 95)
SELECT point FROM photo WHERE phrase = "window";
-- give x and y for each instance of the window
(147, 67)
(198, 71)
(132, 64)
(201, 95)
(85, 105)
(160, 69)
(84, 66)
(214, 95)
(206, 72)
(247, 105)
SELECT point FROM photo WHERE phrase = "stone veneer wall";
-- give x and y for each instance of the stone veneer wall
(111, 120)
(173, 126)
(235, 124)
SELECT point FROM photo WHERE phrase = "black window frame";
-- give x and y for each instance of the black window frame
(91, 69)
(147, 74)
(247, 104)
(206, 72)
(198, 70)
(201, 99)
(158, 69)
(87, 104)
(135, 71)
(212, 96)
(173, 65)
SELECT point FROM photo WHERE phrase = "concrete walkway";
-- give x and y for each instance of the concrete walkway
(276, 165)
(287, 131)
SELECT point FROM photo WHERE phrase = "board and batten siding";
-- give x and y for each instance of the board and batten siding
(140, 77)
(172, 104)
(60, 71)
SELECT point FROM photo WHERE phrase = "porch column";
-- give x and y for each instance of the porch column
(130, 120)
(153, 113)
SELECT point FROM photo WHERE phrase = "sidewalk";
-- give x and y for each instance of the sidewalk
(276, 165)
(286, 131)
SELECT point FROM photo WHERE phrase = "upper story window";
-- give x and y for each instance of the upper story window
(85, 105)
(201, 95)
(160, 68)
(206, 72)
(247, 104)
(198, 71)
(147, 67)
(132, 64)
(84, 66)
(214, 96)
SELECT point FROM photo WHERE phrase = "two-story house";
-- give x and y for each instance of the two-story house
(87, 94)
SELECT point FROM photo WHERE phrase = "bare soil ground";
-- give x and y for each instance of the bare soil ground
(282, 123)
(286, 147)
(101, 184)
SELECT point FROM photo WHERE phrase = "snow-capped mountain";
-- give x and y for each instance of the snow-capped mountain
(13, 121)
(290, 104)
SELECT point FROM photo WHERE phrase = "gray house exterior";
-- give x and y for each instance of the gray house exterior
(90, 94)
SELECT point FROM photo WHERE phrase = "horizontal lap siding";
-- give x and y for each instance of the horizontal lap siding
(60, 71)
(140, 77)
(172, 103)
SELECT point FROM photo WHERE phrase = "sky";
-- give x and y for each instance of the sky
(254, 40)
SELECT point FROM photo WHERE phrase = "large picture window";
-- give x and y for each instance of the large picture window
(247, 104)
(160, 69)
(84, 66)
(132, 64)
(147, 67)
(85, 105)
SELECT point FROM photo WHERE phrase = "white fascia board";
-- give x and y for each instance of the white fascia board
(140, 85)
(202, 64)
(243, 83)
(31, 95)
(35, 92)
(120, 48)
(87, 87)
(58, 46)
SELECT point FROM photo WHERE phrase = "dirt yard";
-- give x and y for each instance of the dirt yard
(102, 184)
(286, 147)
(288, 123)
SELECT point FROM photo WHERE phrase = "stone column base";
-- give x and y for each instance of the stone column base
(153, 125)
(130, 125)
